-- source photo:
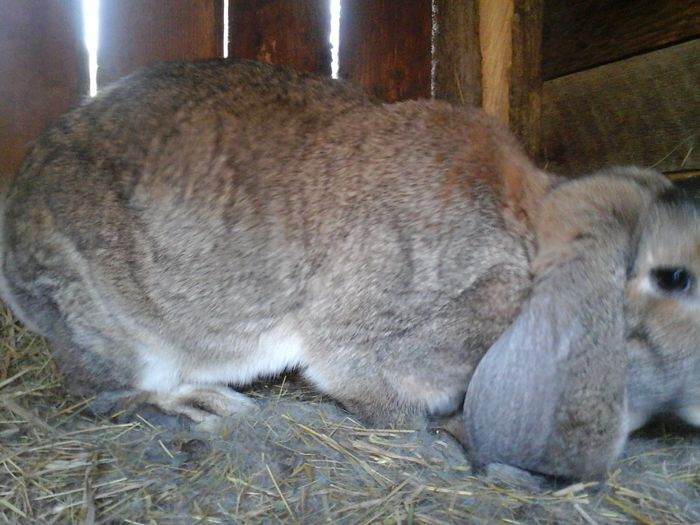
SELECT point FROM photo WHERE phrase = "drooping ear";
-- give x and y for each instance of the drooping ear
(549, 395)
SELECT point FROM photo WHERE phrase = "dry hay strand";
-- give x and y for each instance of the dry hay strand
(298, 459)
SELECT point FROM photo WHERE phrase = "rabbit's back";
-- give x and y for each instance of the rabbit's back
(151, 138)
(205, 205)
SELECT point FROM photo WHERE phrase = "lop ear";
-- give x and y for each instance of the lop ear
(549, 395)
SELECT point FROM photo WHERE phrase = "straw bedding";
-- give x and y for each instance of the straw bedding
(298, 459)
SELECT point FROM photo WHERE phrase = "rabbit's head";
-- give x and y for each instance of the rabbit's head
(608, 336)
(663, 314)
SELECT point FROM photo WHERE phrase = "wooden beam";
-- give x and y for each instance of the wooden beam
(525, 104)
(457, 52)
(496, 41)
(282, 32)
(42, 72)
(510, 36)
(385, 47)
(580, 34)
(644, 110)
(136, 33)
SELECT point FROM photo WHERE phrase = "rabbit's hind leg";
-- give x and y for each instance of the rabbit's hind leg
(203, 405)
(132, 373)
(102, 338)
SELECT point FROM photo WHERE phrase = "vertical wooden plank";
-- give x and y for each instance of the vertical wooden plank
(42, 71)
(457, 52)
(136, 33)
(385, 47)
(496, 40)
(525, 113)
(510, 34)
(282, 32)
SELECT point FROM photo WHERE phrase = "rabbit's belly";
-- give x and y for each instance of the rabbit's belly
(271, 353)
(690, 414)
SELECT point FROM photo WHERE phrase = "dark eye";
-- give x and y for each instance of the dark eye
(672, 279)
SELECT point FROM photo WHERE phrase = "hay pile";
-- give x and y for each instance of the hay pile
(299, 459)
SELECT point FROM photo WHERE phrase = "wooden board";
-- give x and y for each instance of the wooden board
(487, 53)
(579, 34)
(42, 71)
(136, 33)
(644, 110)
(496, 42)
(525, 103)
(457, 52)
(282, 32)
(509, 35)
(385, 47)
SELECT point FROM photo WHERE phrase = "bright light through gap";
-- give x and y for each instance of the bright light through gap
(335, 36)
(91, 17)
(91, 24)
(225, 28)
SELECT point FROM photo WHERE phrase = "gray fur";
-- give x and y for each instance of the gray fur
(564, 385)
(209, 223)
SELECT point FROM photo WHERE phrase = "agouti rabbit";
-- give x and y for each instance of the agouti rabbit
(205, 224)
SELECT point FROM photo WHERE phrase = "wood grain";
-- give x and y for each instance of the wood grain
(385, 47)
(42, 71)
(510, 41)
(644, 110)
(136, 33)
(457, 52)
(496, 41)
(525, 100)
(579, 34)
(282, 32)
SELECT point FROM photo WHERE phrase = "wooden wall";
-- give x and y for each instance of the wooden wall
(42, 71)
(43, 63)
(621, 84)
(282, 32)
(136, 33)
(488, 53)
(583, 83)
(386, 49)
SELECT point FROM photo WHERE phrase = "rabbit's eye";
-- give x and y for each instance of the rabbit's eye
(672, 279)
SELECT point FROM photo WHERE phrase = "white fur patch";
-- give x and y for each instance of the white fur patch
(690, 414)
(159, 372)
(162, 369)
(646, 287)
(277, 350)
(625, 429)
(636, 420)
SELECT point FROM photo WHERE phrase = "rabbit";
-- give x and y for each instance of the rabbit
(205, 224)
(609, 336)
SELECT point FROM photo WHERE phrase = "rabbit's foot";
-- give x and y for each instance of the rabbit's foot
(512, 476)
(201, 403)
(127, 406)
(175, 409)
(452, 425)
